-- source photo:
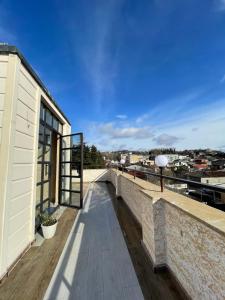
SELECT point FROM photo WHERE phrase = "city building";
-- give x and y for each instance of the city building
(134, 158)
(218, 164)
(171, 157)
(209, 177)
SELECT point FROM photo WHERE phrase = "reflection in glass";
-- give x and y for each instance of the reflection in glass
(75, 199)
(76, 186)
(48, 118)
(55, 123)
(38, 194)
(45, 190)
(45, 205)
(46, 171)
(66, 142)
(41, 133)
(38, 211)
(40, 151)
(47, 153)
(39, 168)
(48, 136)
(42, 112)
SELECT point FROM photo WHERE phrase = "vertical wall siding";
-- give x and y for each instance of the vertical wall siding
(22, 164)
(3, 76)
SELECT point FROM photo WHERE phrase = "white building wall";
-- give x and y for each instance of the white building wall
(20, 185)
(18, 161)
(3, 78)
(220, 181)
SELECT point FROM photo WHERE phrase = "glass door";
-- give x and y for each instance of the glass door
(43, 195)
(71, 170)
(50, 129)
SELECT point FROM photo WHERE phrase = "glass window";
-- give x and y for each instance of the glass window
(47, 153)
(45, 206)
(40, 151)
(42, 112)
(41, 133)
(38, 194)
(39, 168)
(55, 123)
(46, 171)
(37, 213)
(48, 118)
(48, 136)
(46, 191)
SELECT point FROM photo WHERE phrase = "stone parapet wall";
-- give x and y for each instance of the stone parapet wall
(182, 234)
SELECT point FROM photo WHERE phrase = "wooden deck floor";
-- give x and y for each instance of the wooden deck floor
(95, 263)
(30, 278)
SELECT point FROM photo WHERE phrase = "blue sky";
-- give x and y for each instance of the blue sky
(129, 74)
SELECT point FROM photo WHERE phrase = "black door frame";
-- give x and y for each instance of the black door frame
(51, 127)
(71, 176)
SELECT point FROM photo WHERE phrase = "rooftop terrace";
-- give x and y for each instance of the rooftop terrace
(129, 242)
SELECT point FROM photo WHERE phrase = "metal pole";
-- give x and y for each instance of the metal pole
(161, 178)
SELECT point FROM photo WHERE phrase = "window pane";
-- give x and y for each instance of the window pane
(47, 153)
(46, 171)
(38, 194)
(40, 151)
(46, 191)
(55, 123)
(42, 112)
(41, 133)
(48, 118)
(45, 206)
(48, 136)
(39, 168)
(38, 211)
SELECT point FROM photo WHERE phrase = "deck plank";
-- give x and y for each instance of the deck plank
(96, 265)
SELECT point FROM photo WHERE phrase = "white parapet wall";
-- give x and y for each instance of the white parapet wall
(91, 175)
(182, 234)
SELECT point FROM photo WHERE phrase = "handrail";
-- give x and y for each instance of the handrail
(191, 182)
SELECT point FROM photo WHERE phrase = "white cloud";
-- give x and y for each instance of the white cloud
(210, 124)
(98, 53)
(200, 126)
(121, 117)
(110, 130)
(166, 140)
(169, 109)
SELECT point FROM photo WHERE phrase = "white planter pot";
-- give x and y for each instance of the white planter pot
(49, 231)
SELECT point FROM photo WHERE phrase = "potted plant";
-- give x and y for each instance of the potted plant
(48, 226)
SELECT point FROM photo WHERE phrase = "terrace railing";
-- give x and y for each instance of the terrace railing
(204, 189)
